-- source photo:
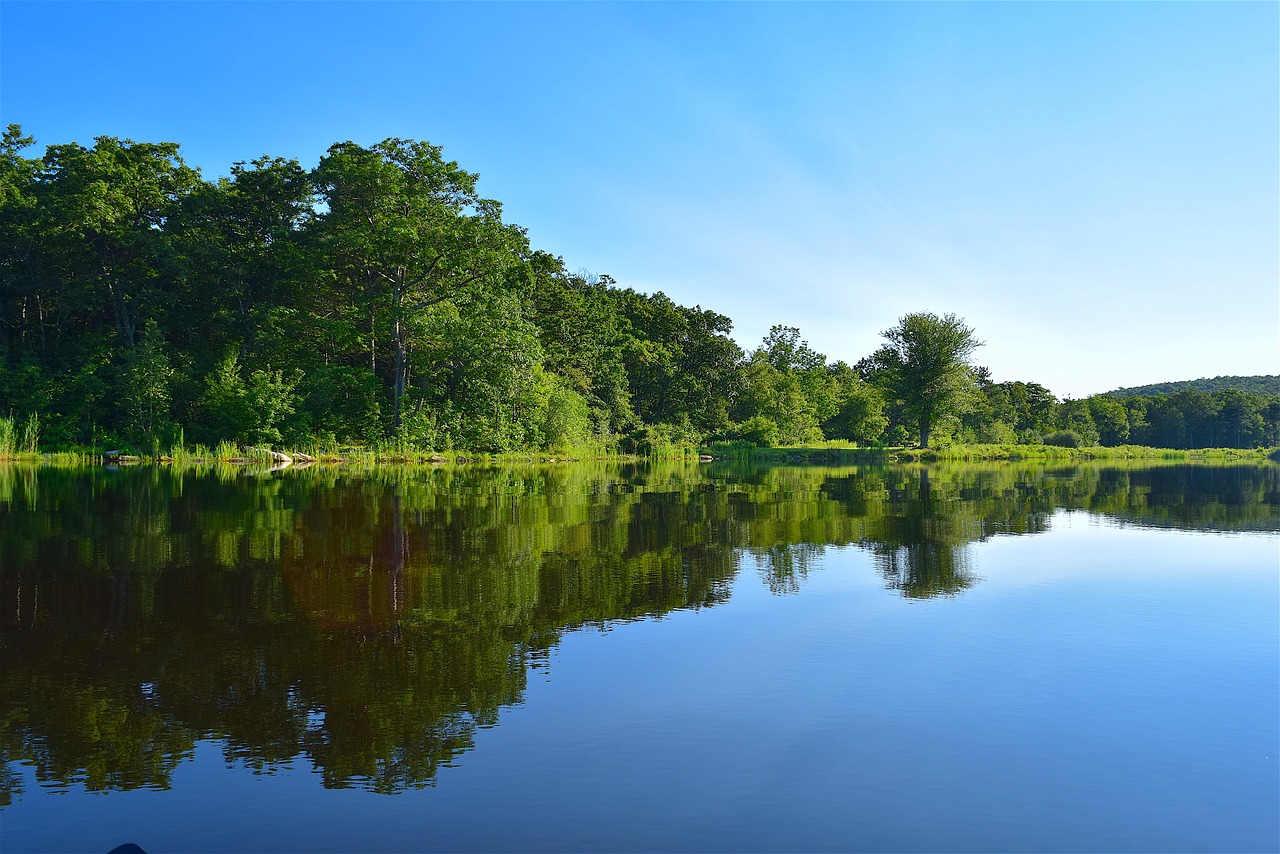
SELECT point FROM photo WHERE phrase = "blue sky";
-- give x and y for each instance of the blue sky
(1094, 187)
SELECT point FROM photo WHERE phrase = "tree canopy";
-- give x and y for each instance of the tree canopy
(925, 366)
(380, 300)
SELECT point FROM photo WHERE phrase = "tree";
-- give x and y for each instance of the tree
(1077, 418)
(239, 240)
(1111, 419)
(19, 240)
(144, 385)
(860, 413)
(582, 336)
(925, 367)
(477, 386)
(1200, 414)
(247, 410)
(107, 208)
(681, 364)
(788, 383)
(406, 231)
(1240, 415)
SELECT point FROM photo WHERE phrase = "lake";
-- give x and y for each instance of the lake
(663, 657)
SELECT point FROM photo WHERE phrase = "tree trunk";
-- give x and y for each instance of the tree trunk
(401, 366)
(119, 305)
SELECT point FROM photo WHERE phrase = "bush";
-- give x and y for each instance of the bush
(567, 423)
(758, 430)
(660, 440)
(247, 410)
(1064, 439)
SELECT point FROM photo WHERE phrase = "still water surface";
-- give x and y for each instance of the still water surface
(720, 658)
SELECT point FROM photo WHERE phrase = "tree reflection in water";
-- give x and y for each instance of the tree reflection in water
(368, 623)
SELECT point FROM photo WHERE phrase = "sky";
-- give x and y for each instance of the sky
(1093, 187)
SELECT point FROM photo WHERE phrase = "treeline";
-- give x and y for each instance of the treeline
(1027, 413)
(379, 300)
(1253, 385)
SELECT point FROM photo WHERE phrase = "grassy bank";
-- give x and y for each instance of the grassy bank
(20, 443)
(227, 453)
(968, 453)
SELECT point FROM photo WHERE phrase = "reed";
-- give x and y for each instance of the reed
(30, 442)
(8, 439)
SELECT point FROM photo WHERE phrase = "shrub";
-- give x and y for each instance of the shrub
(758, 430)
(1064, 439)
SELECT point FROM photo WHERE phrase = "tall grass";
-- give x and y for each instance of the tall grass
(19, 440)
(225, 451)
(968, 453)
(31, 435)
(8, 439)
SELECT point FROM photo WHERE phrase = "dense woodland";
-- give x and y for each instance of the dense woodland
(1255, 385)
(378, 300)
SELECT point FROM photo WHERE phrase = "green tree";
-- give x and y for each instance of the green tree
(19, 242)
(145, 386)
(478, 384)
(109, 205)
(406, 230)
(1111, 419)
(1200, 415)
(925, 368)
(859, 415)
(682, 366)
(786, 382)
(1166, 424)
(1076, 417)
(582, 336)
(246, 409)
(240, 241)
(1240, 416)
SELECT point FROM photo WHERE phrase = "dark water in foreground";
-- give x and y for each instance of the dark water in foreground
(664, 658)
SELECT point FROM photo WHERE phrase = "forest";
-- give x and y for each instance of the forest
(379, 301)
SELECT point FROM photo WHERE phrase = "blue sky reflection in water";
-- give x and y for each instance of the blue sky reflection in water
(1099, 685)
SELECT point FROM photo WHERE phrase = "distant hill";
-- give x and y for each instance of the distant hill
(1256, 385)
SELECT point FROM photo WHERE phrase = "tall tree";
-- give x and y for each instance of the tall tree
(925, 367)
(1111, 419)
(681, 364)
(18, 240)
(107, 208)
(406, 230)
(239, 238)
(788, 383)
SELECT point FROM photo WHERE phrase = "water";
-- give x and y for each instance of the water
(720, 658)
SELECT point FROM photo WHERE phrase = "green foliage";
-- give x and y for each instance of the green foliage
(1077, 418)
(249, 409)
(567, 424)
(681, 364)
(406, 230)
(925, 368)
(661, 440)
(480, 374)
(29, 442)
(758, 430)
(8, 438)
(1264, 385)
(146, 387)
(1111, 419)
(1065, 439)
(380, 301)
